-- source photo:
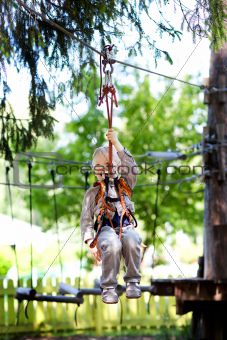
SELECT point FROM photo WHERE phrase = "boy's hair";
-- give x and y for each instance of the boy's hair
(101, 156)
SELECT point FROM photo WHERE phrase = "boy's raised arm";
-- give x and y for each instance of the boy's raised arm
(129, 169)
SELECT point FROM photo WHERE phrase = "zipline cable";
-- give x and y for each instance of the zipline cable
(63, 162)
(158, 74)
(206, 172)
(100, 53)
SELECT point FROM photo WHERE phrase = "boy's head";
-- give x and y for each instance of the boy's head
(101, 160)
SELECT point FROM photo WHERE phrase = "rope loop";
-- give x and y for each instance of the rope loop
(29, 160)
(158, 163)
(51, 166)
(7, 169)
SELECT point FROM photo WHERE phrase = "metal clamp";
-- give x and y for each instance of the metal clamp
(29, 161)
(108, 53)
(158, 162)
(51, 166)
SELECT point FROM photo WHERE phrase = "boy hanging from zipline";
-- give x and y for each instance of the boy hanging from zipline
(110, 201)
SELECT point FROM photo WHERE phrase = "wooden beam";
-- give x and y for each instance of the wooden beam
(221, 85)
(206, 131)
(206, 83)
(221, 155)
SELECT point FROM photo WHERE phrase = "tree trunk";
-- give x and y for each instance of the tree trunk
(215, 214)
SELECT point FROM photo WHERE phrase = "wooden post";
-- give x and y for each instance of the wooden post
(221, 155)
(215, 194)
(206, 131)
(221, 85)
(206, 83)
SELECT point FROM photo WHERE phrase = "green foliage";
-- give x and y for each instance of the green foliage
(218, 16)
(17, 135)
(6, 259)
(163, 333)
(169, 333)
(26, 38)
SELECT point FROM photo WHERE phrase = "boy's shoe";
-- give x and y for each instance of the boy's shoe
(109, 295)
(133, 290)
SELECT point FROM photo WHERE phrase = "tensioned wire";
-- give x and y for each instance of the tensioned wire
(204, 151)
(88, 163)
(95, 50)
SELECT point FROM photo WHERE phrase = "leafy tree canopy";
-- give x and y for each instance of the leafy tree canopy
(27, 40)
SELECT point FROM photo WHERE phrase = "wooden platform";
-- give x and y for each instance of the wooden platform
(192, 294)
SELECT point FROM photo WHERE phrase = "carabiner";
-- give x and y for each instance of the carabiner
(158, 162)
(104, 67)
(108, 78)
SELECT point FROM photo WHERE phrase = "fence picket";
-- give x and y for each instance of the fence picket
(49, 308)
(92, 315)
(11, 313)
(85, 319)
(2, 306)
(40, 311)
(30, 307)
(60, 315)
(20, 308)
(97, 311)
(153, 315)
(70, 309)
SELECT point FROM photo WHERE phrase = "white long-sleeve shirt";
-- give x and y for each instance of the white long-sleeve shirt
(90, 209)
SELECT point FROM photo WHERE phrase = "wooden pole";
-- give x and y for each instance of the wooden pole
(215, 196)
(215, 214)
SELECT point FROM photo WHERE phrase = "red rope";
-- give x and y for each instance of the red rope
(106, 90)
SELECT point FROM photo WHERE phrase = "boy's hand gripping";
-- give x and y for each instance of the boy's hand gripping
(112, 137)
(95, 253)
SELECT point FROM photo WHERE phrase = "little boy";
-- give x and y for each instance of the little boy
(117, 235)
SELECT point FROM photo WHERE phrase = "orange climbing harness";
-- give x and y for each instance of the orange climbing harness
(124, 190)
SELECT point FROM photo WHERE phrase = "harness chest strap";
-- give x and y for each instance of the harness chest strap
(124, 189)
